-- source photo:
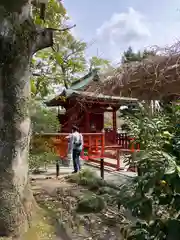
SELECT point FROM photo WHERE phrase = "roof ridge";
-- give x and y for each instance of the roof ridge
(90, 74)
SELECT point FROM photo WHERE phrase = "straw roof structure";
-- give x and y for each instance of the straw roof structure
(151, 79)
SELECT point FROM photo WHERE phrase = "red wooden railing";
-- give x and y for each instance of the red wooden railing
(110, 136)
(126, 142)
(93, 143)
(95, 147)
(121, 139)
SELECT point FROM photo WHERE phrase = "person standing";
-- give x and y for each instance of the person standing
(76, 146)
(57, 168)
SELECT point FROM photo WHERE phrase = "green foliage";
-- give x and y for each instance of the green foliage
(43, 119)
(42, 150)
(107, 191)
(99, 63)
(131, 56)
(63, 63)
(87, 178)
(90, 204)
(69, 59)
(154, 196)
(55, 15)
(43, 79)
(56, 65)
(41, 160)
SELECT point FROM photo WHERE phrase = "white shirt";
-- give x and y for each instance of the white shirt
(78, 137)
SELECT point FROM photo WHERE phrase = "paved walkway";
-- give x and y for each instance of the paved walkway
(117, 177)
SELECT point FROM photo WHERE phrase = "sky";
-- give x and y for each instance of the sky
(110, 27)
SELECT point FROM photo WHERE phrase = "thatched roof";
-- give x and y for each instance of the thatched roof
(153, 78)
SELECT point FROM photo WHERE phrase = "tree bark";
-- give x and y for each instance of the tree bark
(19, 40)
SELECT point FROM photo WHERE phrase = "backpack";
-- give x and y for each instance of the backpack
(78, 142)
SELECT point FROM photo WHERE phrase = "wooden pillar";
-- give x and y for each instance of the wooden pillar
(103, 121)
(87, 121)
(114, 124)
(102, 167)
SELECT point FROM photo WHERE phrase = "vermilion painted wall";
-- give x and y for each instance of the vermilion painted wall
(97, 119)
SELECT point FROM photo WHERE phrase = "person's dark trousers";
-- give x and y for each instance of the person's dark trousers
(57, 168)
(76, 160)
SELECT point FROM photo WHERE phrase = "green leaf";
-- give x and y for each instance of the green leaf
(171, 163)
(33, 87)
(176, 202)
(170, 169)
(173, 229)
(178, 170)
(165, 199)
(59, 58)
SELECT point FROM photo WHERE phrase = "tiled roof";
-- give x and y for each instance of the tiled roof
(82, 83)
(84, 95)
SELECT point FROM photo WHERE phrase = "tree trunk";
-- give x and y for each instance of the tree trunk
(19, 40)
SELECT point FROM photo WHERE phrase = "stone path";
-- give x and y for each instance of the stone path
(117, 177)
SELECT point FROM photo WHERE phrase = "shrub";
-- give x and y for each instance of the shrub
(87, 178)
(90, 203)
(154, 197)
(41, 153)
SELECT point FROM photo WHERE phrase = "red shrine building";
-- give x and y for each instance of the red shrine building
(85, 108)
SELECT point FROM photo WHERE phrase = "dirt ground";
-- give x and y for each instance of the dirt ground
(60, 199)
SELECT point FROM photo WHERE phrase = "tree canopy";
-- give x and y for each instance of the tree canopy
(65, 61)
(98, 63)
(131, 56)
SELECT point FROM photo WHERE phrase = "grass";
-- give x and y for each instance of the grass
(42, 228)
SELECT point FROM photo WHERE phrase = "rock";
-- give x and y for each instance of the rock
(91, 203)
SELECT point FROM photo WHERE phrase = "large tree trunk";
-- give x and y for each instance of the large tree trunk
(19, 40)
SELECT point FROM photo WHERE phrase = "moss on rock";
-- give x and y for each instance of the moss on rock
(91, 203)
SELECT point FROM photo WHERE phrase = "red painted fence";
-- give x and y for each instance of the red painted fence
(95, 147)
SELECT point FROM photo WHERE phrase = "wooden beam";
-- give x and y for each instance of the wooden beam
(114, 124)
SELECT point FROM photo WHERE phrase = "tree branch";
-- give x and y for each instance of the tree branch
(63, 29)
(36, 74)
(44, 39)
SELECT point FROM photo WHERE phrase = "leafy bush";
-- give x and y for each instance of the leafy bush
(42, 153)
(42, 150)
(154, 197)
(91, 203)
(87, 178)
(37, 161)
(43, 119)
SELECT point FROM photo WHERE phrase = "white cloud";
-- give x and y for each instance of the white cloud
(124, 29)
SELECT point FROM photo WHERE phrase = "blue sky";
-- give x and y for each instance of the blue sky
(114, 25)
